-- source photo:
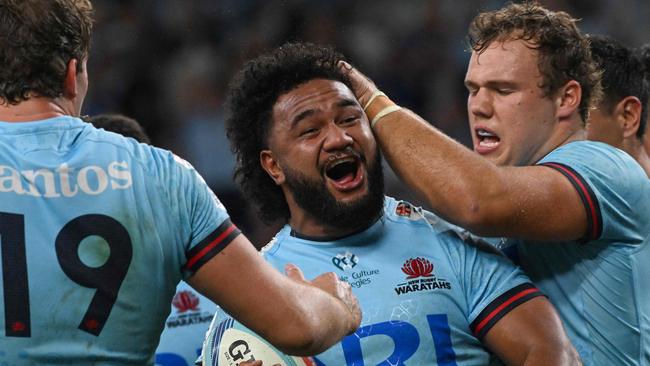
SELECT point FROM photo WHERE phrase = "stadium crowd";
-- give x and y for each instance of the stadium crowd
(167, 63)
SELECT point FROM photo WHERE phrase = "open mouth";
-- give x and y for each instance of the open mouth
(486, 139)
(344, 173)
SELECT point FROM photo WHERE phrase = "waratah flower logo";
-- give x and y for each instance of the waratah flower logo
(185, 301)
(417, 267)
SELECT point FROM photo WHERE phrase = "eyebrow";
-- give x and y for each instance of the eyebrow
(492, 84)
(346, 102)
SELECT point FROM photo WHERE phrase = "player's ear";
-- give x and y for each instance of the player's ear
(271, 166)
(70, 79)
(567, 99)
(629, 114)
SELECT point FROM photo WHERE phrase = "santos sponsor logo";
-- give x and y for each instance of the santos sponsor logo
(65, 181)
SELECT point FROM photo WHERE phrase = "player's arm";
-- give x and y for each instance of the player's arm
(296, 316)
(531, 334)
(533, 202)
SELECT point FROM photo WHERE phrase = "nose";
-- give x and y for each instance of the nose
(479, 104)
(337, 138)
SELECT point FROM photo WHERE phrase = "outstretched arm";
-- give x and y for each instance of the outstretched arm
(532, 334)
(466, 189)
(296, 316)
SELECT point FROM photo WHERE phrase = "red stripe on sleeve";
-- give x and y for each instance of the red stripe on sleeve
(209, 247)
(592, 206)
(502, 306)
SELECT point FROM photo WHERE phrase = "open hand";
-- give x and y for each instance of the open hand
(330, 283)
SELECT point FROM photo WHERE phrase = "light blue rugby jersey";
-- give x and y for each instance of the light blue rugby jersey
(600, 284)
(96, 230)
(427, 296)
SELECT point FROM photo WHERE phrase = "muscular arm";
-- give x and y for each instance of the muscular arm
(533, 202)
(292, 314)
(531, 334)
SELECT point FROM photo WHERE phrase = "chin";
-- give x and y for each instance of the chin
(351, 197)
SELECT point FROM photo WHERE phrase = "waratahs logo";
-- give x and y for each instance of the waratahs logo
(185, 301)
(418, 267)
(419, 276)
(188, 312)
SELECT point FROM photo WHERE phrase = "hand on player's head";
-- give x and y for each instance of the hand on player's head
(362, 86)
(330, 283)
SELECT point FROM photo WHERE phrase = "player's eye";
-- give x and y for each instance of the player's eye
(308, 131)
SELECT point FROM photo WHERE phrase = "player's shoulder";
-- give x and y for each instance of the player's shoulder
(404, 214)
(450, 236)
(154, 160)
(127, 147)
(603, 167)
(594, 157)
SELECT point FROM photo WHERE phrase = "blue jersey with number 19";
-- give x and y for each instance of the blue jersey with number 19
(96, 230)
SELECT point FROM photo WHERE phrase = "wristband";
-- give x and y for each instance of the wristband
(383, 113)
(372, 98)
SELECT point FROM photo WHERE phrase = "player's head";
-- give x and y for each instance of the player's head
(302, 140)
(121, 124)
(530, 68)
(43, 50)
(622, 111)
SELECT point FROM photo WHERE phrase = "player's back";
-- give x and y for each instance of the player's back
(94, 232)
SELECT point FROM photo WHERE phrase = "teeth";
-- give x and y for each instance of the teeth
(341, 161)
(489, 143)
(484, 133)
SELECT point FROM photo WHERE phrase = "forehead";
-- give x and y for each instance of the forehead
(317, 94)
(509, 59)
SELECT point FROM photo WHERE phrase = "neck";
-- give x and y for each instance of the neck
(33, 109)
(568, 131)
(309, 226)
(635, 148)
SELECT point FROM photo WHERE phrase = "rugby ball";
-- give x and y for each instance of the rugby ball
(229, 343)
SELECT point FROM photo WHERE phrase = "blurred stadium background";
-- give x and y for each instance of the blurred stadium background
(167, 63)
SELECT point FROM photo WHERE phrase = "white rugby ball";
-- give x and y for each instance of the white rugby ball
(229, 343)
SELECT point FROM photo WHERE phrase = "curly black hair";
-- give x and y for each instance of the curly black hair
(37, 39)
(620, 67)
(564, 53)
(251, 96)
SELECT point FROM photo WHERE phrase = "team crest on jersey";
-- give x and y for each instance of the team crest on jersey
(403, 209)
(187, 310)
(420, 277)
(407, 210)
(185, 301)
(345, 261)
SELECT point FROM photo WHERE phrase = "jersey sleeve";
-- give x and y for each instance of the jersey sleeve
(612, 187)
(493, 286)
(204, 227)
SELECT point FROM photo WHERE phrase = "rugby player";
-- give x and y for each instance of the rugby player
(306, 155)
(620, 118)
(577, 211)
(96, 230)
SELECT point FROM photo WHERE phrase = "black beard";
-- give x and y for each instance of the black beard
(314, 197)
